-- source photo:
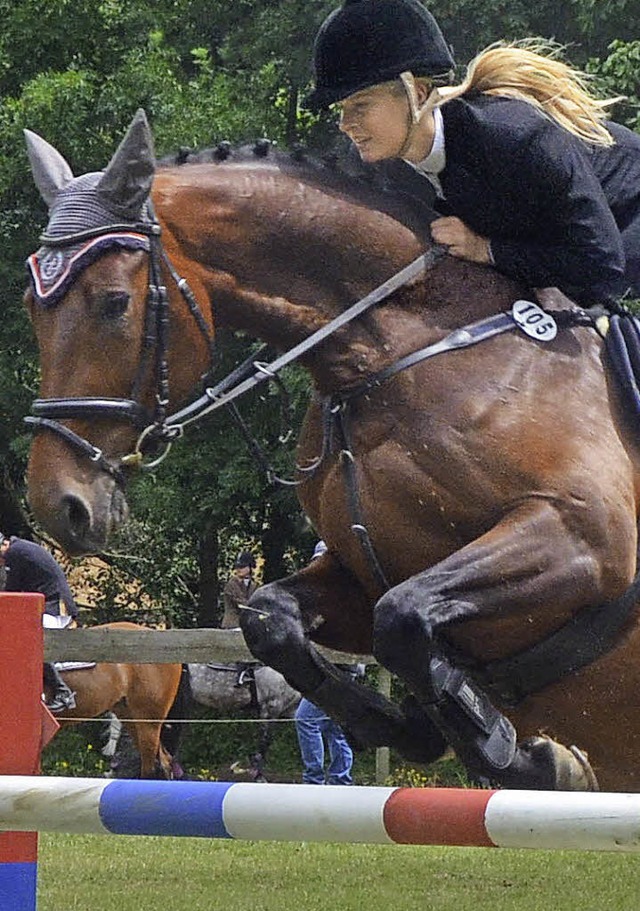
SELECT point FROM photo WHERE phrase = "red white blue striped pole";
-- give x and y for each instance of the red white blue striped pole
(285, 812)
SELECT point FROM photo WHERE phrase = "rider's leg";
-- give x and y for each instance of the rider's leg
(340, 752)
(63, 697)
(523, 565)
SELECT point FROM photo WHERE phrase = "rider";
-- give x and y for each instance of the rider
(527, 175)
(29, 567)
(239, 588)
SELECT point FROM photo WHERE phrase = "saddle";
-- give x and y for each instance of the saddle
(246, 676)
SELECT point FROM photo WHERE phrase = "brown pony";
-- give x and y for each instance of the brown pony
(479, 506)
(141, 695)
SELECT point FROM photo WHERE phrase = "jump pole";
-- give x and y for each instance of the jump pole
(296, 812)
(257, 812)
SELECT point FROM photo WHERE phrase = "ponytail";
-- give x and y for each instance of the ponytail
(532, 71)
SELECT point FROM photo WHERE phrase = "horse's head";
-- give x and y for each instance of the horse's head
(99, 307)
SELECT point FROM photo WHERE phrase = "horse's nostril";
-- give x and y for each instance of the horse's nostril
(78, 517)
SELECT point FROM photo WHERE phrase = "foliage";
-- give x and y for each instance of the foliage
(620, 75)
(75, 752)
(447, 772)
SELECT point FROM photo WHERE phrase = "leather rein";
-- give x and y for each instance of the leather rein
(159, 428)
(577, 644)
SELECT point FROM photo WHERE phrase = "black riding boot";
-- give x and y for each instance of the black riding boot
(63, 697)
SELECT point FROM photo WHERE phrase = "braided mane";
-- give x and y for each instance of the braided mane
(336, 171)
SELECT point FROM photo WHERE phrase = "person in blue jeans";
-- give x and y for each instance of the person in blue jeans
(314, 727)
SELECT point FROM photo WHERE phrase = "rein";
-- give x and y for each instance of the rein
(161, 428)
(158, 427)
(512, 678)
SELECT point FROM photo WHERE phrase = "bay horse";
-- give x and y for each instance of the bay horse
(479, 506)
(140, 695)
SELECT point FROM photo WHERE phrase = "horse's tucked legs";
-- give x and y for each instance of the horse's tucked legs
(275, 633)
(518, 565)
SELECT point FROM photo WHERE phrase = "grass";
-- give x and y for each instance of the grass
(121, 873)
(117, 873)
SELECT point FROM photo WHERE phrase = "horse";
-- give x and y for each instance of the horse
(140, 695)
(476, 482)
(252, 690)
(264, 693)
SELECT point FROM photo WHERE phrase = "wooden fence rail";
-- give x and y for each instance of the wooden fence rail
(149, 646)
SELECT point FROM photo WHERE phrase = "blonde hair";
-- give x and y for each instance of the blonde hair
(532, 71)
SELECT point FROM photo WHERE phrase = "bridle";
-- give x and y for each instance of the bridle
(512, 678)
(157, 427)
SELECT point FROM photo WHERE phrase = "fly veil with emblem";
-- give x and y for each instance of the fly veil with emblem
(82, 210)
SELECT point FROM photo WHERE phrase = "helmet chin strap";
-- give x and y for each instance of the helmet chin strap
(416, 110)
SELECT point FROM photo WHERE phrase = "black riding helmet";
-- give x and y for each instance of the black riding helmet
(367, 42)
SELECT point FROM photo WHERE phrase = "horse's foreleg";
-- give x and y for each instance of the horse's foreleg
(524, 565)
(275, 630)
(259, 758)
(114, 731)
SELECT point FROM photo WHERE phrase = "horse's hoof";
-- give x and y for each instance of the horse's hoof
(576, 772)
(569, 767)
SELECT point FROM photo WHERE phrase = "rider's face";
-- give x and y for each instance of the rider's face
(377, 120)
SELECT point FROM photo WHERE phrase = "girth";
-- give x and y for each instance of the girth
(593, 631)
(589, 635)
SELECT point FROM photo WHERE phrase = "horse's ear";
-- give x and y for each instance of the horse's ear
(126, 182)
(50, 170)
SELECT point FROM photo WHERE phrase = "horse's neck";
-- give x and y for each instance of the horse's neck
(278, 258)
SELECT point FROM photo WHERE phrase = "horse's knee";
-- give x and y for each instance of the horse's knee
(399, 628)
(272, 622)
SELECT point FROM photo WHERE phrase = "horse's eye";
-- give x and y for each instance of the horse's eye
(113, 304)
